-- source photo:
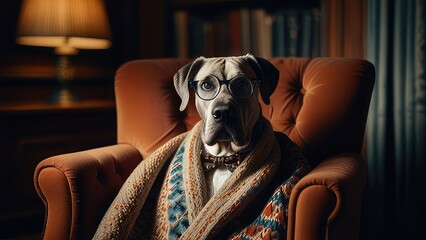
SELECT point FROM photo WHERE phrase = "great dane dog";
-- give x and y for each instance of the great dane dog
(227, 91)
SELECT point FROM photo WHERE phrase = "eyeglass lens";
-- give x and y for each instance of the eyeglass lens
(239, 87)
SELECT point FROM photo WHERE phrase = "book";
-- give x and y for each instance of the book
(245, 31)
(306, 33)
(316, 32)
(235, 33)
(261, 33)
(221, 35)
(278, 36)
(181, 32)
(292, 33)
(196, 36)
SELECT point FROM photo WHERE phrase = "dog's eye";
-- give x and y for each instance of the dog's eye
(242, 83)
(206, 85)
(241, 87)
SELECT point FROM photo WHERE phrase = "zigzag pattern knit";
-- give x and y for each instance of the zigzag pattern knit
(177, 210)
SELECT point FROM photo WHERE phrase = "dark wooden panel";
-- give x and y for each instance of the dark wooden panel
(30, 133)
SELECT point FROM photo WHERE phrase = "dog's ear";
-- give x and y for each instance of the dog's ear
(182, 77)
(267, 73)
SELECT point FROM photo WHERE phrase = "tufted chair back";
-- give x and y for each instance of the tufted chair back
(320, 103)
(148, 106)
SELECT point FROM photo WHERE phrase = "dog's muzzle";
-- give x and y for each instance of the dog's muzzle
(224, 123)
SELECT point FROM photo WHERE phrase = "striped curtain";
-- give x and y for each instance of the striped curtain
(396, 128)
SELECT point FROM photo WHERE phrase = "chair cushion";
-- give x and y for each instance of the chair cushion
(322, 103)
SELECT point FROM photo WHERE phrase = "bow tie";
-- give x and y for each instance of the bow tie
(211, 162)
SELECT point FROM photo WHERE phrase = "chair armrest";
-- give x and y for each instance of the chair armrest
(326, 203)
(77, 188)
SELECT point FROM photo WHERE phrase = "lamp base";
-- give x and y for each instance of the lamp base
(65, 75)
(63, 95)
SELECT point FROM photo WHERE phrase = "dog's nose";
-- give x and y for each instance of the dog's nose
(222, 112)
(217, 114)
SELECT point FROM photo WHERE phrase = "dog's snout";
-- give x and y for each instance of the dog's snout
(222, 112)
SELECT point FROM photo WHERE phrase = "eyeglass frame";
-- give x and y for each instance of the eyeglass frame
(254, 83)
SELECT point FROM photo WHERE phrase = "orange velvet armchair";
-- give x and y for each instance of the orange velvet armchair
(320, 103)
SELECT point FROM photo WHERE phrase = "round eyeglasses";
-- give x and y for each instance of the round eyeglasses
(209, 87)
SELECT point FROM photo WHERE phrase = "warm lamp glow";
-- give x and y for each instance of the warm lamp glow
(66, 25)
(76, 42)
(79, 24)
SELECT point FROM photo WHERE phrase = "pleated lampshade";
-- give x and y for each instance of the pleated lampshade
(66, 25)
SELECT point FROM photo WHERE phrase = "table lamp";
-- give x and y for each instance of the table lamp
(67, 26)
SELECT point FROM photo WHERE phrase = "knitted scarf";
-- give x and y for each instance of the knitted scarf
(166, 196)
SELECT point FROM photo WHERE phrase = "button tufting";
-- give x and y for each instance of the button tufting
(293, 120)
(302, 91)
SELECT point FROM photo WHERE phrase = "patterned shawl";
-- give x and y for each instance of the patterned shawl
(166, 196)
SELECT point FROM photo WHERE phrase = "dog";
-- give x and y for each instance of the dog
(231, 124)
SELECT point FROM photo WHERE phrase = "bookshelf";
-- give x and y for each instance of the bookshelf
(235, 27)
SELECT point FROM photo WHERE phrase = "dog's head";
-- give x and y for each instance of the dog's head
(227, 91)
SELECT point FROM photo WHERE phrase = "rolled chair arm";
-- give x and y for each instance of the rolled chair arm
(77, 188)
(327, 201)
